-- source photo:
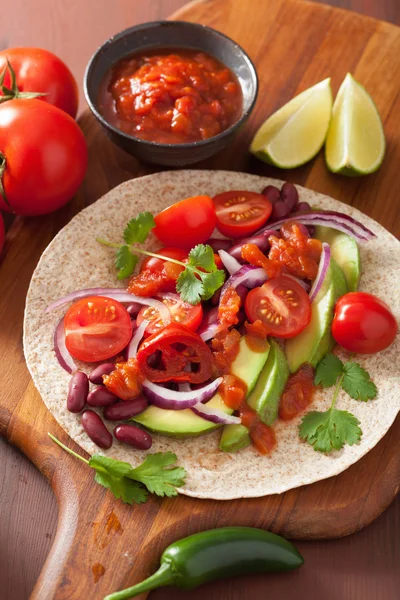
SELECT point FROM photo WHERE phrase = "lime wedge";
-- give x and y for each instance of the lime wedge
(296, 132)
(355, 144)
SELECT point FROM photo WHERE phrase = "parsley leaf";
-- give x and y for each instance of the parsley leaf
(155, 473)
(202, 256)
(328, 370)
(211, 283)
(125, 262)
(139, 228)
(129, 484)
(330, 430)
(357, 382)
(201, 278)
(189, 287)
(113, 474)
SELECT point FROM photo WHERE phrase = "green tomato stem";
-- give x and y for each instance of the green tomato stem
(67, 449)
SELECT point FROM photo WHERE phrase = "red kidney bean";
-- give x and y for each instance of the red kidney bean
(133, 309)
(77, 392)
(273, 193)
(100, 396)
(134, 436)
(218, 244)
(289, 195)
(125, 409)
(96, 376)
(280, 210)
(303, 206)
(96, 430)
(260, 240)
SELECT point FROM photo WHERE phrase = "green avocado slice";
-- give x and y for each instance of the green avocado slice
(345, 252)
(185, 423)
(234, 438)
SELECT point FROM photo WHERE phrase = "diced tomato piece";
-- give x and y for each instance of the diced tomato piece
(297, 253)
(298, 393)
(233, 391)
(255, 257)
(125, 381)
(225, 347)
(229, 306)
(263, 438)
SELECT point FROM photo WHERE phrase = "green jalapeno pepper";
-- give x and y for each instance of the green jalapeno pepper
(216, 554)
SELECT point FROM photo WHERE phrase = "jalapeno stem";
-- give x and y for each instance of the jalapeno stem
(164, 576)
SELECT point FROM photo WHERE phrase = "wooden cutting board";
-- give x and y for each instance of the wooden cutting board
(101, 544)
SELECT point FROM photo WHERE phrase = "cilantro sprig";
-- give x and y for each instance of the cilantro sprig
(200, 277)
(132, 485)
(332, 429)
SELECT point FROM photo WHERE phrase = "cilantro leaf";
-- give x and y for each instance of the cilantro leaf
(202, 256)
(112, 474)
(330, 430)
(357, 382)
(139, 228)
(328, 370)
(156, 475)
(189, 287)
(211, 283)
(125, 262)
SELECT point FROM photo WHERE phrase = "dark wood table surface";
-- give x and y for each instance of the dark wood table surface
(364, 566)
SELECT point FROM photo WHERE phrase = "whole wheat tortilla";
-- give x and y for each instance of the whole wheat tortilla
(74, 260)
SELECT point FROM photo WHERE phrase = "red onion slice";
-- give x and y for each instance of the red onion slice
(210, 332)
(118, 294)
(328, 218)
(230, 263)
(214, 415)
(63, 356)
(173, 400)
(322, 271)
(133, 345)
(248, 275)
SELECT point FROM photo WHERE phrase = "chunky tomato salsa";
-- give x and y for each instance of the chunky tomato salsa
(171, 96)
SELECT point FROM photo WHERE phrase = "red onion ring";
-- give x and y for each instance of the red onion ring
(63, 356)
(173, 400)
(214, 415)
(322, 271)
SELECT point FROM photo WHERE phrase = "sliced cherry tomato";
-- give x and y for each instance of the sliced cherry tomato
(154, 264)
(282, 306)
(298, 393)
(241, 213)
(96, 328)
(181, 312)
(363, 323)
(186, 223)
(175, 354)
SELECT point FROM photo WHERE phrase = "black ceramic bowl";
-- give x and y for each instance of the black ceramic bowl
(174, 34)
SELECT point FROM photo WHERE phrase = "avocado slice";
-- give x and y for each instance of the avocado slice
(264, 399)
(185, 423)
(316, 340)
(344, 250)
(234, 438)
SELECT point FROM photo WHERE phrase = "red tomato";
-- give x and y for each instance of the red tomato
(166, 356)
(186, 223)
(298, 393)
(153, 264)
(241, 213)
(96, 328)
(43, 154)
(39, 70)
(282, 306)
(363, 323)
(181, 312)
(263, 438)
(2, 233)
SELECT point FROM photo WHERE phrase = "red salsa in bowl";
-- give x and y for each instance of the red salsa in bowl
(171, 96)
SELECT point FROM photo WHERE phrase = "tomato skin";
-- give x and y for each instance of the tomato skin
(281, 305)
(240, 213)
(38, 70)
(186, 223)
(2, 233)
(181, 312)
(46, 157)
(154, 264)
(363, 323)
(105, 323)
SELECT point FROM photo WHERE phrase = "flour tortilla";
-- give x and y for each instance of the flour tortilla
(74, 260)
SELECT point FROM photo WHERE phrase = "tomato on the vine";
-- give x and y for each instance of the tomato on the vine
(186, 223)
(240, 213)
(181, 312)
(281, 305)
(41, 71)
(363, 323)
(43, 157)
(96, 328)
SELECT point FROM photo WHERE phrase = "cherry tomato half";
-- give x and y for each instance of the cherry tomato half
(363, 323)
(241, 213)
(186, 223)
(96, 328)
(181, 312)
(282, 306)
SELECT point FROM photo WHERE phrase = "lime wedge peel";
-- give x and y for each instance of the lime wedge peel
(355, 144)
(295, 133)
